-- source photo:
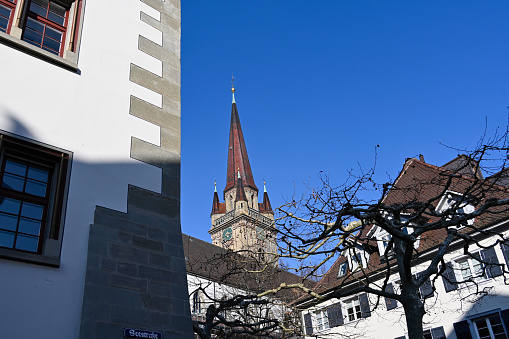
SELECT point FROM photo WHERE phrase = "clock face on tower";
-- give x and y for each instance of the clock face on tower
(227, 234)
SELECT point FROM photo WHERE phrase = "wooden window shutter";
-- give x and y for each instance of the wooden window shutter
(390, 303)
(489, 255)
(308, 323)
(335, 315)
(364, 303)
(462, 330)
(449, 278)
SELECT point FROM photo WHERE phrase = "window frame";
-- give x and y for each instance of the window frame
(449, 199)
(51, 233)
(356, 313)
(12, 6)
(321, 314)
(67, 57)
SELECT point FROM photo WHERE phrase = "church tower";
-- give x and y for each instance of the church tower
(241, 223)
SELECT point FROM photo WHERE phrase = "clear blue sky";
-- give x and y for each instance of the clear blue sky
(321, 83)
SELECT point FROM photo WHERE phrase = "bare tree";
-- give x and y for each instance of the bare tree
(424, 213)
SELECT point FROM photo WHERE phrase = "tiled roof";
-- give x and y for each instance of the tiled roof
(237, 155)
(265, 206)
(418, 182)
(217, 264)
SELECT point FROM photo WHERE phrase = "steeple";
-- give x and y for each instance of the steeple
(265, 205)
(241, 194)
(216, 205)
(237, 153)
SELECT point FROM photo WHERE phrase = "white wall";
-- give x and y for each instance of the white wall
(443, 309)
(87, 114)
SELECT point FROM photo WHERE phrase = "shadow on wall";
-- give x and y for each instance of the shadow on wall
(488, 317)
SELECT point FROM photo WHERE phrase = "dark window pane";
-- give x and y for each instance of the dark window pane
(36, 188)
(6, 239)
(8, 222)
(29, 226)
(3, 24)
(54, 34)
(32, 210)
(5, 12)
(37, 174)
(51, 44)
(15, 168)
(13, 182)
(9, 205)
(56, 18)
(49, 50)
(32, 36)
(42, 11)
(35, 25)
(57, 9)
(27, 243)
(42, 3)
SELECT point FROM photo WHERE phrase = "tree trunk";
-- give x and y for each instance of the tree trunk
(414, 311)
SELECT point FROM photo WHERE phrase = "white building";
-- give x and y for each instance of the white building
(468, 300)
(90, 242)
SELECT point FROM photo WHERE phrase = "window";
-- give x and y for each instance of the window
(52, 26)
(353, 309)
(322, 320)
(356, 258)
(434, 333)
(343, 268)
(6, 13)
(33, 186)
(457, 206)
(45, 25)
(469, 269)
(490, 327)
(197, 302)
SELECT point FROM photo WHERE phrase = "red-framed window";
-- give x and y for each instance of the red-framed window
(45, 25)
(6, 14)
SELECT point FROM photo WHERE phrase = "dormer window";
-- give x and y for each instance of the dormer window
(356, 258)
(457, 206)
(343, 268)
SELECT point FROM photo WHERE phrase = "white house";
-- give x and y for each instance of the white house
(468, 300)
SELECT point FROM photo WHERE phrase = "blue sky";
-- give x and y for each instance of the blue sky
(320, 83)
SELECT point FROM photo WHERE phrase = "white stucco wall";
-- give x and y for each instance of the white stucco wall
(443, 309)
(87, 114)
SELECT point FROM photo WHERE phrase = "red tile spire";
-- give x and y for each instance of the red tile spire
(237, 153)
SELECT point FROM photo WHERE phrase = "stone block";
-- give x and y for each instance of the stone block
(129, 316)
(95, 310)
(160, 320)
(97, 277)
(104, 232)
(131, 283)
(128, 253)
(121, 297)
(108, 264)
(156, 303)
(161, 261)
(157, 234)
(159, 288)
(106, 330)
(127, 268)
(125, 237)
(121, 224)
(155, 274)
(152, 245)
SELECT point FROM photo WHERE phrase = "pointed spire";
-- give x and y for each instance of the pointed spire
(237, 154)
(216, 205)
(233, 91)
(241, 194)
(265, 205)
